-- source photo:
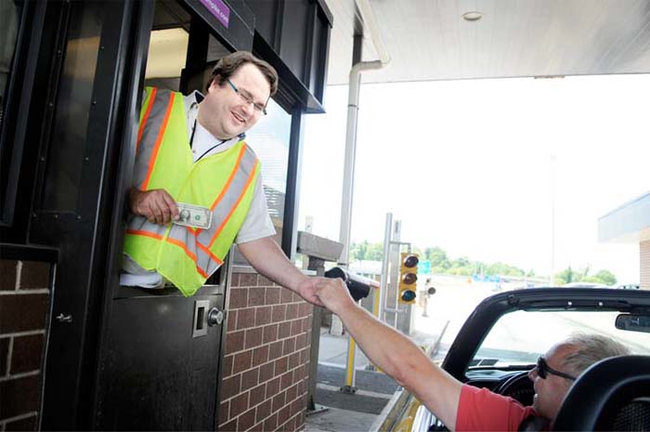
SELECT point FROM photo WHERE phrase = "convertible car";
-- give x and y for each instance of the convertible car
(505, 335)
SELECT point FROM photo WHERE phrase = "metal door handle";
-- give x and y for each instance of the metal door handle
(215, 317)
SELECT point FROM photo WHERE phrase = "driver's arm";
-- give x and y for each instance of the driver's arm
(395, 354)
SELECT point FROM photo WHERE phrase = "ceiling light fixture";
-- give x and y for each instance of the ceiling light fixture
(472, 16)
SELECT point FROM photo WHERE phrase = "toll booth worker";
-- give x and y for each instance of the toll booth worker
(459, 406)
(191, 150)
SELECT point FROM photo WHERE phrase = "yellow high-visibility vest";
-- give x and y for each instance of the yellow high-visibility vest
(223, 182)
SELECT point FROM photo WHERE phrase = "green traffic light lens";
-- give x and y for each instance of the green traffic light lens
(408, 295)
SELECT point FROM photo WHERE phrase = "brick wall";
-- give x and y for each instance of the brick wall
(644, 252)
(24, 300)
(266, 363)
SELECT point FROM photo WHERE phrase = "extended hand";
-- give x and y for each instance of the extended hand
(333, 294)
(307, 290)
(156, 205)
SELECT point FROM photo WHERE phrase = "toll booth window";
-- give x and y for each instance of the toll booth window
(270, 140)
(73, 105)
(9, 18)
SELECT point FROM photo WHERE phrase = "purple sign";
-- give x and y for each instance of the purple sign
(219, 9)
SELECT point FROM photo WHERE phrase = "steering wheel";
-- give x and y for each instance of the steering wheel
(518, 387)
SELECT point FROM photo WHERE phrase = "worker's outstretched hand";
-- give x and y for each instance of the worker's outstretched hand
(156, 205)
(334, 294)
(307, 290)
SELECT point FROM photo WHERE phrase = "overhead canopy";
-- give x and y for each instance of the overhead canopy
(430, 39)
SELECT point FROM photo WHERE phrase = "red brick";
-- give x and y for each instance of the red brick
(250, 379)
(263, 411)
(247, 420)
(266, 371)
(284, 414)
(272, 387)
(35, 275)
(271, 423)
(278, 402)
(292, 311)
(275, 350)
(242, 361)
(253, 338)
(238, 298)
(257, 395)
(238, 405)
(301, 340)
(263, 315)
(245, 318)
(231, 426)
(258, 427)
(270, 333)
(284, 330)
(227, 366)
(286, 380)
(260, 355)
(23, 396)
(235, 341)
(306, 325)
(231, 319)
(26, 355)
(8, 273)
(224, 409)
(305, 309)
(22, 312)
(234, 280)
(273, 295)
(300, 421)
(4, 355)
(248, 280)
(296, 327)
(289, 346)
(291, 393)
(264, 281)
(278, 313)
(281, 366)
(286, 296)
(256, 296)
(26, 424)
(230, 387)
(294, 360)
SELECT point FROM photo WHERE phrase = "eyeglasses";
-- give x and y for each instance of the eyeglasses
(246, 97)
(543, 369)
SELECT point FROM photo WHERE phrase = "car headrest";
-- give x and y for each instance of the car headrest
(611, 395)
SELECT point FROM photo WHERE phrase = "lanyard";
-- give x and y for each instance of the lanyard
(208, 150)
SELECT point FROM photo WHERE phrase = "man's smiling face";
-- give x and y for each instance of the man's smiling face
(224, 112)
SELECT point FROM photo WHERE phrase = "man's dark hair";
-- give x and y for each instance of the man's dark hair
(228, 65)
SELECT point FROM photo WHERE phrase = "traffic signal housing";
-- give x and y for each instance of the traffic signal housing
(408, 277)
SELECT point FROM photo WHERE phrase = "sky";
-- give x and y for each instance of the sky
(476, 167)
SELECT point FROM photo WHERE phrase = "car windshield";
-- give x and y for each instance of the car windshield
(519, 337)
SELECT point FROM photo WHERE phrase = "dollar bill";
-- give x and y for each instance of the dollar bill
(193, 216)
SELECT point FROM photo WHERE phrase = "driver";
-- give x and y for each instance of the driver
(459, 406)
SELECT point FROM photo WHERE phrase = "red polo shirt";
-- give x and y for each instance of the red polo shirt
(480, 409)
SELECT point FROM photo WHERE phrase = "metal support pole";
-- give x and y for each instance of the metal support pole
(388, 228)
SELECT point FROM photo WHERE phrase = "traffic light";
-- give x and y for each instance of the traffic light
(408, 277)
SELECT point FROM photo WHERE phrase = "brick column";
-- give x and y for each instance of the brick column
(266, 362)
(24, 303)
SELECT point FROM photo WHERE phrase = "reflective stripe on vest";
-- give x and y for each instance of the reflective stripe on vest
(223, 182)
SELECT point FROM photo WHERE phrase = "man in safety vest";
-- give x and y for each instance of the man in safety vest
(191, 153)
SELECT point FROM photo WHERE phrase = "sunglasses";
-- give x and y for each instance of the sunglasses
(543, 369)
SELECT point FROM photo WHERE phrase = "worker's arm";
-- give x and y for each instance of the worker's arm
(394, 353)
(269, 260)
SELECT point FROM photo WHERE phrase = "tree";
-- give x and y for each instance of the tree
(604, 277)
